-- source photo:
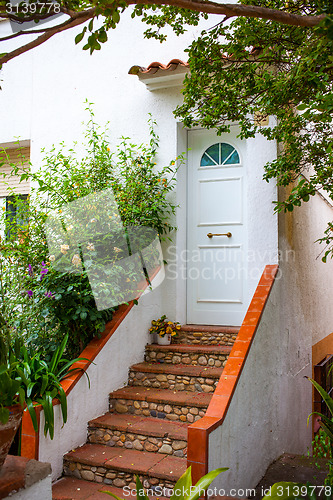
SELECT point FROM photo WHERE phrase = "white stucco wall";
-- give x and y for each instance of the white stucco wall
(269, 409)
(109, 372)
(42, 100)
(308, 280)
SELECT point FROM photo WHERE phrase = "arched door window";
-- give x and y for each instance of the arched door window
(220, 154)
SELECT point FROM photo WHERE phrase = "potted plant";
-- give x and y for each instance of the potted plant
(11, 394)
(164, 330)
(26, 379)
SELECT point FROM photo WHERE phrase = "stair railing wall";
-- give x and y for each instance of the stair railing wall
(203, 442)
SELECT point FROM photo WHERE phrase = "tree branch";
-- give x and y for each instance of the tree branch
(234, 10)
(208, 7)
(80, 17)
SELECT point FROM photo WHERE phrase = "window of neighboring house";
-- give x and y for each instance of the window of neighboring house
(13, 193)
(16, 215)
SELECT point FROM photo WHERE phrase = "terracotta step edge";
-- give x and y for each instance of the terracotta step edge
(70, 483)
(172, 369)
(160, 424)
(195, 348)
(134, 468)
(210, 329)
(186, 396)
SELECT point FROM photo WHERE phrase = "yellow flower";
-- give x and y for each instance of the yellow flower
(169, 329)
(64, 249)
(178, 327)
(76, 260)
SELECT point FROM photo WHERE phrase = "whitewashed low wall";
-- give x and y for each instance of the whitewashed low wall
(260, 424)
(109, 372)
(42, 490)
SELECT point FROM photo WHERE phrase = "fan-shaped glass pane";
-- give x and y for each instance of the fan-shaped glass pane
(233, 158)
(220, 154)
(211, 156)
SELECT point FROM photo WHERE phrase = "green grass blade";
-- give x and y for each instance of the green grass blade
(282, 491)
(204, 482)
(110, 494)
(182, 487)
(328, 400)
(63, 403)
(140, 492)
(32, 414)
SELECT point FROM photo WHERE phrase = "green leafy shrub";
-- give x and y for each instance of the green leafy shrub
(41, 382)
(51, 303)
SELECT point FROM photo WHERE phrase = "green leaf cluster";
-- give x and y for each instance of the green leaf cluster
(39, 300)
(249, 69)
(41, 382)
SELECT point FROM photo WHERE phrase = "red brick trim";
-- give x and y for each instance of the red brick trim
(198, 432)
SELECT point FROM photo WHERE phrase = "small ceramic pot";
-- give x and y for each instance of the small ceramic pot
(165, 340)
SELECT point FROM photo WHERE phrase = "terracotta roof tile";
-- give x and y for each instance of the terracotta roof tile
(156, 66)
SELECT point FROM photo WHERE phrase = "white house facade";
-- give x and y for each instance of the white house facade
(227, 233)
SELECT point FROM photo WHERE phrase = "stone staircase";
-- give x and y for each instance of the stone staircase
(145, 431)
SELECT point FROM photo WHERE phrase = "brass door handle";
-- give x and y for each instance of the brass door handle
(210, 235)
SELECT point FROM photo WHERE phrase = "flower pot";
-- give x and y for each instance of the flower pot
(8, 431)
(165, 340)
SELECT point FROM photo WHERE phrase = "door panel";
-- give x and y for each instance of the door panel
(216, 268)
(228, 212)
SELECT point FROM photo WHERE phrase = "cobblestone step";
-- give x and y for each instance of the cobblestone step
(184, 406)
(205, 334)
(102, 464)
(145, 433)
(139, 433)
(204, 355)
(175, 377)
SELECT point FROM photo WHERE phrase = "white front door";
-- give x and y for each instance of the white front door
(216, 230)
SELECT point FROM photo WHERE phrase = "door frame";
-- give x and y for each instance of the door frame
(262, 228)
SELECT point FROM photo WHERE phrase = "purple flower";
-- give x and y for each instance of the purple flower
(30, 271)
(44, 271)
(30, 293)
(49, 295)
